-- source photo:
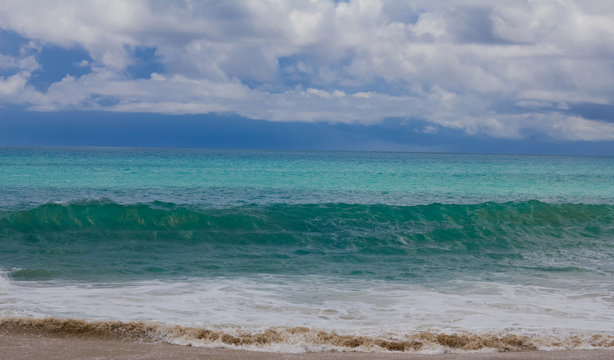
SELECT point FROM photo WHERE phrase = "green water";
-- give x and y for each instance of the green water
(102, 240)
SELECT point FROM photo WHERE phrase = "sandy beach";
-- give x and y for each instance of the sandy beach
(30, 346)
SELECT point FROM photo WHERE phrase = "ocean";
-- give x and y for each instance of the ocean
(310, 251)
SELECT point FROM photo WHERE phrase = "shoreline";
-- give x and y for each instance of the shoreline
(37, 346)
(52, 338)
(295, 340)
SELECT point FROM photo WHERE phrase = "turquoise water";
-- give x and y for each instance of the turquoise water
(359, 234)
(34, 176)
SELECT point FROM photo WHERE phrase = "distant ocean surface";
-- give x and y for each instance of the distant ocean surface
(311, 251)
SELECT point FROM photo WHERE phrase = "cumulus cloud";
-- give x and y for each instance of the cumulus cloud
(14, 75)
(504, 68)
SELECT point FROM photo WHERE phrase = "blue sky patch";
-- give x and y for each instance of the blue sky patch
(145, 62)
(57, 63)
(11, 43)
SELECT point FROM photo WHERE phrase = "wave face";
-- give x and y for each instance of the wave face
(88, 239)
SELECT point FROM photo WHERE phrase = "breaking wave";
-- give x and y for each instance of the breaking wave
(159, 239)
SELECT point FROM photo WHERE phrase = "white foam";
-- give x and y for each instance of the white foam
(5, 284)
(367, 308)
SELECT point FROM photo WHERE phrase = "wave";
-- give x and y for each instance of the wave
(438, 222)
(93, 237)
(301, 339)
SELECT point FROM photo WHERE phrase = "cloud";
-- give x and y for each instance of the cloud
(503, 69)
(12, 85)
(14, 76)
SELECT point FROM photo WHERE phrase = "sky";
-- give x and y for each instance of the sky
(459, 76)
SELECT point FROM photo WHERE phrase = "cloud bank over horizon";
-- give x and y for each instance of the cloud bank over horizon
(503, 69)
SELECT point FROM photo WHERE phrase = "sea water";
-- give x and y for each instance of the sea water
(309, 251)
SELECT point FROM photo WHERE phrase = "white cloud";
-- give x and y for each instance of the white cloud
(12, 85)
(325, 94)
(458, 64)
(27, 63)
(7, 62)
(18, 70)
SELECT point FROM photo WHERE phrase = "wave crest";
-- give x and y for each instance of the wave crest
(415, 223)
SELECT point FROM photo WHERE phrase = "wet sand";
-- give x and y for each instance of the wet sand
(31, 346)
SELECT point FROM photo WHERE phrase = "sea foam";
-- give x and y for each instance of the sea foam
(370, 315)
